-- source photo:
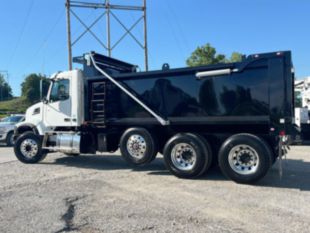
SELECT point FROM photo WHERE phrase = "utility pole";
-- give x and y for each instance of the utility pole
(69, 34)
(146, 59)
(110, 11)
(107, 3)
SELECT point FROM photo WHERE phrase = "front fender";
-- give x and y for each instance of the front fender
(24, 127)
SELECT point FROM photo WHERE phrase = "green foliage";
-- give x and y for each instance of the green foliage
(5, 89)
(31, 87)
(30, 95)
(207, 55)
(235, 57)
(17, 105)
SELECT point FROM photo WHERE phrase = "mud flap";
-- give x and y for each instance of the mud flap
(283, 149)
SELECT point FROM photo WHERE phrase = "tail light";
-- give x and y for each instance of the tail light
(282, 133)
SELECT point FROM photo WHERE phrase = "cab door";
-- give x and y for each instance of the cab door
(57, 110)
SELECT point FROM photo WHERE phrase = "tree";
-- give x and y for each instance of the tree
(5, 89)
(31, 87)
(207, 55)
(235, 57)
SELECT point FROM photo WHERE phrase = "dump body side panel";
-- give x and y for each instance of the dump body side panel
(258, 95)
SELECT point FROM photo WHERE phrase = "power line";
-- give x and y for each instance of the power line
(22, 33)
(63, 45)
(58, 48)
(47, 37)
(183, 35)
(173, 32)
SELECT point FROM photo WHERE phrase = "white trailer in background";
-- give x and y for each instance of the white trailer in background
(302, 107)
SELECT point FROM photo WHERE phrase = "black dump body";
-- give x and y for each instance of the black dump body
(258, 93)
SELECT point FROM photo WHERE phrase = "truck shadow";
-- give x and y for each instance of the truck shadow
(296, 173)
(106, 162)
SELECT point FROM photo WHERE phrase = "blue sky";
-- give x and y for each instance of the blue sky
(33, 32)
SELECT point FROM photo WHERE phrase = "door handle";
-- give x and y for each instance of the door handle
(67, 119)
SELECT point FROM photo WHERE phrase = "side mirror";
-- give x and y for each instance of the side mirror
(44, 100)
(41, 89)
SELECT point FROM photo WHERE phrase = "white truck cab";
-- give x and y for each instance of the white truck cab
(62, 107)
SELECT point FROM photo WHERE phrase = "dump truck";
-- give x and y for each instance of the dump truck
(239, 115)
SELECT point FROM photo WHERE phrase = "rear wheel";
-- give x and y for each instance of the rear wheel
(28, 148)
(138, 146)
(10, 139)
(187, 155)
(245, 158)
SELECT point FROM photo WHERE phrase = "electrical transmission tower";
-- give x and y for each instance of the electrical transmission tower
(109, 10)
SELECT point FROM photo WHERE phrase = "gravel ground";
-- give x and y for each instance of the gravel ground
(103, 194)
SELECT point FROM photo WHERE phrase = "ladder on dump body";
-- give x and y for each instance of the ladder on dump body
(90, 59)
(97, 108)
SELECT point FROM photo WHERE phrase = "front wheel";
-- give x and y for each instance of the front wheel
(245, 158)
(28, 148)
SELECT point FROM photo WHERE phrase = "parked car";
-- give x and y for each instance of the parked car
(7, 125)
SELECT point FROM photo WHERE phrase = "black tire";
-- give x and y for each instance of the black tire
(190, 143)
(153, 158)
(210, 160)
(142, 148)
(255, 163)
(10, 139)
(34, 142)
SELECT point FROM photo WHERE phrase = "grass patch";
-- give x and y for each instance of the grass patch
(17, 105)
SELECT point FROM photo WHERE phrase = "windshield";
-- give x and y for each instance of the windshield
(12, 119)
(60, 90)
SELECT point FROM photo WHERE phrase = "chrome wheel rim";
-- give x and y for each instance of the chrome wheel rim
(243, 159)
(183, 156)
(29, 148)
(136, 146)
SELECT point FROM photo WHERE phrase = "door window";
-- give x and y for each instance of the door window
(60, 90)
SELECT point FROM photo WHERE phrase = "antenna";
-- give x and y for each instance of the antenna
(109, 11)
